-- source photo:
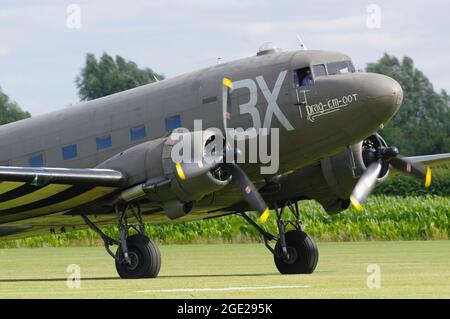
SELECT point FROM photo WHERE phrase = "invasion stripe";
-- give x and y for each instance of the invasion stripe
(8, 186)
(57, 198)
(70, 198)
(19, 192)
(90, 196)
(35, 196)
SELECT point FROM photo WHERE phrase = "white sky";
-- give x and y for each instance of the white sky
(40, 56)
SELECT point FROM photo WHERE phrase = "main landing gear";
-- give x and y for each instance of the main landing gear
(295, 252)
(137, 256)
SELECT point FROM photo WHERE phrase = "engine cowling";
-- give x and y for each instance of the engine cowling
(152, 172)
(343, 170)
(193, 189)
(331, 181)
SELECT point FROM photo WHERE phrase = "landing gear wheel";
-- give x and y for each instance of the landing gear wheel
(145, 258)
(303, 254)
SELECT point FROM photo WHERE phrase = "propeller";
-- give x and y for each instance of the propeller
(382, 157)
(227, 87)
(248, 190)
(365, 185)
(188, 170)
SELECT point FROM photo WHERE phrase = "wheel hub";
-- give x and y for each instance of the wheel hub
(292, 256)
(134, 260)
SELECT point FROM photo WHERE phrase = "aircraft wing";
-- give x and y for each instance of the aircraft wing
(29, 192)
(431, 160)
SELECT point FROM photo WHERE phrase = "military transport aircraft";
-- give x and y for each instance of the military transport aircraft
(109, 161)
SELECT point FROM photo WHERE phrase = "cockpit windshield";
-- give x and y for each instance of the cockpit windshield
(304, 76)
(340, 67)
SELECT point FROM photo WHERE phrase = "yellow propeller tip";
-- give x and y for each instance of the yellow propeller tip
(227, 82)
(428, 177)
(264, 216)
(356, 204)
(180, 171)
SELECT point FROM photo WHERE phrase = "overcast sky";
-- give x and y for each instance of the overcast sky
(40, 55)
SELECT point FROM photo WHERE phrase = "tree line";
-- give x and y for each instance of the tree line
(422, 125)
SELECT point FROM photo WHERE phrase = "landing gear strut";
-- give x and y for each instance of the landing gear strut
(137, 256)
(295, 252)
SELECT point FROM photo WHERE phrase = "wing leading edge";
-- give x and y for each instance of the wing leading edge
(432, 160)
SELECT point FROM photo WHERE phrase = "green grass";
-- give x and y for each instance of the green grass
(384, 218)
(412, 269)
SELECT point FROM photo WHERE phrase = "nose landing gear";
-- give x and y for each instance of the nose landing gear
(295, 252)
(137, 256)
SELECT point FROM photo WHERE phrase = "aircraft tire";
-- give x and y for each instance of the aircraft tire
(303, 252)
(145, 258)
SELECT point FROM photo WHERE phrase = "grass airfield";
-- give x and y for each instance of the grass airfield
(413, 269)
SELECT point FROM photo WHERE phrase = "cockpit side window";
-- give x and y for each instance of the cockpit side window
(303, 77)
(340, 67)
(319, 70)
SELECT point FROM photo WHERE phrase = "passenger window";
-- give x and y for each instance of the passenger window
(173, 122)
(303, 77)
(69, 152)
(319, 70)
(138, 133)
(36, 160)
(103, 142)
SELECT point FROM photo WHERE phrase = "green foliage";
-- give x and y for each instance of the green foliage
(107, 76)
(384, 218)
(422, 125)
(9, 110)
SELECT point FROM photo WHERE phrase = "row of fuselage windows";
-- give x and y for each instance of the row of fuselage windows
(137, 133)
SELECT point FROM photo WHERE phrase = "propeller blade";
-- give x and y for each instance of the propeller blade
(417, 170)
(190, 170)
(365, 185)
(227, 82)
(246, 187)
(249, 192)
(227, 87)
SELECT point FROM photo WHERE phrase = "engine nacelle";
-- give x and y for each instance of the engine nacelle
(331, 181)
(152, 172)
(343, 170)
(193, 189)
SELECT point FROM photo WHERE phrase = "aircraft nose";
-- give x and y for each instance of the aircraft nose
(384, 95)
